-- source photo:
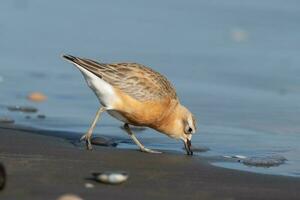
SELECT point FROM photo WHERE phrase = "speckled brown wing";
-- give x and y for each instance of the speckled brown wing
(136, 80)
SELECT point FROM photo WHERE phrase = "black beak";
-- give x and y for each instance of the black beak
(187, 146)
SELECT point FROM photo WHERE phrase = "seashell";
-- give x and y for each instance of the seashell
(239, 156)
(69, 197)
(111, 177)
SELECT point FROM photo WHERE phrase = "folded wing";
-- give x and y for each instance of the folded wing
(136, 80)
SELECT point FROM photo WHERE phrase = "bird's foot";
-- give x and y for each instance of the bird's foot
(87, 138)
(146, 150)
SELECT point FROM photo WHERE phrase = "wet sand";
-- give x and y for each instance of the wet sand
(40, 166)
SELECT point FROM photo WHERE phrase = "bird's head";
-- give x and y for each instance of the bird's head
(188, 128)
(181, 124)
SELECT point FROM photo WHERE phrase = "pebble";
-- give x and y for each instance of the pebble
(36, 97)
(101, 141)
(40, 116)
(263, 161)
(268, 161)
(89, 185)
(112, 178)
(6, 120)
(26, 109)
(2, 177)
(69, 197)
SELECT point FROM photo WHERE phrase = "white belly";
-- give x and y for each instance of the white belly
(104, 91)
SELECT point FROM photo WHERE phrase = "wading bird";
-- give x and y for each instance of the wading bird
(136, 95)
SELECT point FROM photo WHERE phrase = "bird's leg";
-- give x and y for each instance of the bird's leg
(142, 148)
(87, 136)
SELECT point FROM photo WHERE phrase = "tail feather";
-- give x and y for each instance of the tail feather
(91, 66)
(69, 58)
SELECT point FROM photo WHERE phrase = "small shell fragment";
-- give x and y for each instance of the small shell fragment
(89, 185)
(111, 177)
(236, 157)
(239, 156)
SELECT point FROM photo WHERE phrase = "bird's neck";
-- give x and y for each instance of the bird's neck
(168, 123)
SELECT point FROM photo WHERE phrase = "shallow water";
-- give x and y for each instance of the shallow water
(235, 65)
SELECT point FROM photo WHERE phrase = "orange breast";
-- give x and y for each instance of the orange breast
(143, 113)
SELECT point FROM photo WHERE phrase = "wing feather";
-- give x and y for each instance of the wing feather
(136, 80)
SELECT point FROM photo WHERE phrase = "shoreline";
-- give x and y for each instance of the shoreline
(45, 166)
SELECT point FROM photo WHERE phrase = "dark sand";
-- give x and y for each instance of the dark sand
(44, 167)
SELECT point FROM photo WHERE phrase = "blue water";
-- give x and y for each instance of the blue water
(235, 64)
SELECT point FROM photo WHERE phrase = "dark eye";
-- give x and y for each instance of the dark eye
(190, 130)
